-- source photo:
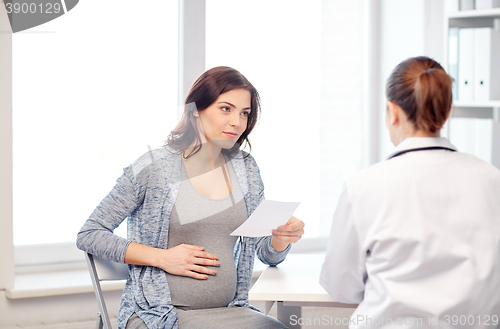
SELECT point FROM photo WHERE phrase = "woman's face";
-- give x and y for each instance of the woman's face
(226, 119)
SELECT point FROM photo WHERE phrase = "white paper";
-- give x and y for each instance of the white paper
(267, 217)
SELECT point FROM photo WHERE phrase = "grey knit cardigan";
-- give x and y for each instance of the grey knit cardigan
(145, 194)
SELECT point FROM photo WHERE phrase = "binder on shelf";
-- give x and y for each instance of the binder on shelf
(486, 64)
(465, 65)
(487, 4)
(451, 6)
(453, 59)
(466, 4)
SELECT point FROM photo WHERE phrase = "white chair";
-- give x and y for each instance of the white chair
(103, 270)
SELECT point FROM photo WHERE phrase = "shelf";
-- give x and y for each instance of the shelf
(474, 18)
(491, 13)
(480, 110)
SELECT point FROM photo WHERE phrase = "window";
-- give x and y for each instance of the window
(91, 90)
(98, 92)
(305, 59)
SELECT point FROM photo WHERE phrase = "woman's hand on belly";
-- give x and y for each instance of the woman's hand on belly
(184, 259)
(187, 260)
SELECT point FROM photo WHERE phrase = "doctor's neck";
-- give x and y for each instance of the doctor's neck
(408, 132)
(422, 133)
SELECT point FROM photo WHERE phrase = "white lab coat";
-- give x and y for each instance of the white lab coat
(418, 237)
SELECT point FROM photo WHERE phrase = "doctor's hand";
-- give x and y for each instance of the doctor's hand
(188, 260)
(291, 232)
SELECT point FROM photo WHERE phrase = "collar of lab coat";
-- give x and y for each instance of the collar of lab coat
(419, 142)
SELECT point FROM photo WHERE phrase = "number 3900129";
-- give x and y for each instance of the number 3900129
(470, 320)
(33, 8)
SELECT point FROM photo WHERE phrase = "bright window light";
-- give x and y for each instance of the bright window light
(305, 59)
(91, 90)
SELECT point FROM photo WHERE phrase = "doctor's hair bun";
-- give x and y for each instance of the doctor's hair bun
(422, 88)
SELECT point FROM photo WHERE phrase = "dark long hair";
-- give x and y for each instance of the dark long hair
(422, 88)
(204, 93)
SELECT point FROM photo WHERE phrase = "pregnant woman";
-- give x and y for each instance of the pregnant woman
(182, 201)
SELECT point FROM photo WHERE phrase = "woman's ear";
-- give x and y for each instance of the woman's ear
(196, 114)
(393, 111)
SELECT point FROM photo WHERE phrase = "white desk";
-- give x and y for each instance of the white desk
(293, 283)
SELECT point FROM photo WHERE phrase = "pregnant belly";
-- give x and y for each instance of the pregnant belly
(216, 291)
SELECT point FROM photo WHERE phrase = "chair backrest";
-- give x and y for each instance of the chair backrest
(107, 270)
(100, 270)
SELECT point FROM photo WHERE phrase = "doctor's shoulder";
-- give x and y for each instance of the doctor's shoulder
(398, 172)
(473, 160)
(476, 167)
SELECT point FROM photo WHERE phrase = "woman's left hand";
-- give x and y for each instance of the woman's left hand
(291, 232)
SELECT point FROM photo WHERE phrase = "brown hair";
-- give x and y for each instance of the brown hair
(204, 93)
(422, 88)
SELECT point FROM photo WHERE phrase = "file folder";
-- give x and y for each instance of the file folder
(453, 59)
(486, 64)
(466, 65)
(466, 4)
(487, 4)
(451, 6)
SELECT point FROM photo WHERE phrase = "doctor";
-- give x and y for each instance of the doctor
(415, 239)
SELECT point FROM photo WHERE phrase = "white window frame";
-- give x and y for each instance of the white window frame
(65, 256)
(6, 236)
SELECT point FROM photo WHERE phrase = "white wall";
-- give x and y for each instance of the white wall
(39, 312)
(408, 28)
(6, 243)
(79, 310)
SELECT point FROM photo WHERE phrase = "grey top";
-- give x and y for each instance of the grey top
(145, 195)
(206, 222)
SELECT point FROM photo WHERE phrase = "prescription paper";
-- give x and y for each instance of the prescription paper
(267, 217)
